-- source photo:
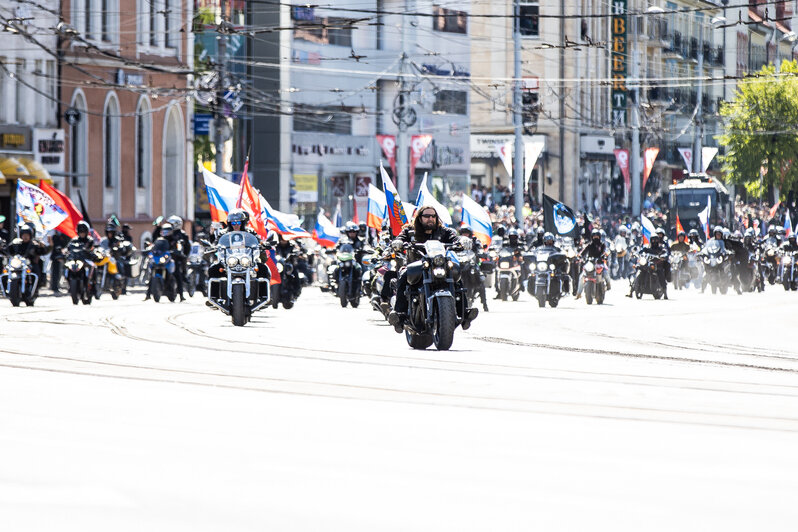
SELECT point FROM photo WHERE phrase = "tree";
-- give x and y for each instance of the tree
(760, 130)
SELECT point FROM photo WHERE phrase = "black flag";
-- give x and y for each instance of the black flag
(559, 219)
(83, 211)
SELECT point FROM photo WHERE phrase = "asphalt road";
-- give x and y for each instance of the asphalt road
(637, 415)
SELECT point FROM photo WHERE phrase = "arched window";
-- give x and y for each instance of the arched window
(111, 148)
(143, 156)
(78, 145)
(174, 179)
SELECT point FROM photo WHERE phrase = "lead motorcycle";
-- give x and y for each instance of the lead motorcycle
(436, 305)
(649, 269)
(595, 287)
(233, 285)
(79, 272)
(196, 270)
(548, 276)
(717, 267)
(347, 276)
(18, 282)
(789, 272)
(162, 271)
(508, 274)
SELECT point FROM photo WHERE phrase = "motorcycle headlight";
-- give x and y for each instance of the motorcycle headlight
(439, 272)
(542, 266)
(232, 261)
(245, 262)
(552, 267)
(589, 267)
(15, 263)
(643, 261)
(161, 260)
(280, 267)
(439, 260)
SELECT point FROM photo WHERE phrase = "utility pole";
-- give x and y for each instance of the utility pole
(698, 134)
(562, 101)
(221, 68)
(634, 156)
(518, 155)
(403, 115)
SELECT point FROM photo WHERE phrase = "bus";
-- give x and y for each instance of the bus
(689, 197)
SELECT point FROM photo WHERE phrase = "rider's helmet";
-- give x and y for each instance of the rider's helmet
(110, 230)
(737, 236)
(176, 221)
(681, 237)
(603, 234)
(363, 228)
(791, 238)
(749, 235)
(25, 229)
(351, 229)
(237, 217)
(83, 227)
(540, 231)
(636, 227)
(595, 235)
(717, 232)
(622, 230)
(726, 233)
(654, 239)
(512, 236)
(661, 232)
(466, 230)
(501, 230)
(548, 239)
(782, 232)
(772, 230)
(166, 230)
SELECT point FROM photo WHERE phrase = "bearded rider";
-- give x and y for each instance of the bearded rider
(426, 226)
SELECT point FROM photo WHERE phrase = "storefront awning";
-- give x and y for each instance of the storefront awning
(2, 179)
(11, 168)
(36, 170)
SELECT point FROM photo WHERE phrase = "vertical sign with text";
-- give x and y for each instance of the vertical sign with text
(619, 55)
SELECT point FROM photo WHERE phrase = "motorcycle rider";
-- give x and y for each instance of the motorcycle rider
(83, 237)
(426, 226)
(694, 237)
(540, 234)
(734, 243)
(772, 238)
(791, 244)
(596, 249)
(717, 236)
(681, 245)
(656, 248)
(58, 241)
(180, 245)
(550, 247)
(635, 239)
(30, 248)
(467, 232)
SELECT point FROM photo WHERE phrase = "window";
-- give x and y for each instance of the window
(153, 16)
(87, 16)
(78, 138)
(105, 21)
(451, 102)
(323, 120)
(449, 20)
(336, 31)
(143, 156)
(22, 92)
(5, 82)
(111, 147)
(529, 19)
(167, 26)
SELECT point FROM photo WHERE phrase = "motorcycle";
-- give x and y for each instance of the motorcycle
(290, 286)
(387, 272)
(436, 305)
(717, 269)
(788, 272)
(769, 263)
(595, 286)
(79, 266)
(162, 271)
(234, 288)
(508, 275)
(18, 282)
(548, 277)
(106, 275)
(647, 276)
(680, 270)
(348, 273)
(196, 270)
(470, 274)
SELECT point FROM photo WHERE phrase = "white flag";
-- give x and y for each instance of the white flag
(687, 155)
(707, 154)
(505, 152)
(532, 151)
(36, 207)
(425, 198)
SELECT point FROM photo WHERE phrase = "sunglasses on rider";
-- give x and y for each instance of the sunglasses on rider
(429, 215)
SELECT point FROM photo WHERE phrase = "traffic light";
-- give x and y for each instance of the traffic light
(530, 109)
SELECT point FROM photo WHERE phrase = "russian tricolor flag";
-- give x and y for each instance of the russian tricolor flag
(648, 228)
(285, 224)
(377, 210)
(787, 223)
(396, 212)
(222, 195)
(478, 219)
(325, 233)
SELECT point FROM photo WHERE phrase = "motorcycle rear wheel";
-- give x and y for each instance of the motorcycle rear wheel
(191, 285)
(553, 302)
(237, 307)
(276, 290)
(444, 323)
(599, 294)
(589, 287)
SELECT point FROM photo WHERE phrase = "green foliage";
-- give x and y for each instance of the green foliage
(760, 130)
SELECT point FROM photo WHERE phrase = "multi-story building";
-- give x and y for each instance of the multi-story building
(29, 124)
(124, 79)
(342, 74)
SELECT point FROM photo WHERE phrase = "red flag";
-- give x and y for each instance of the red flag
(679, 228)
(774, 209)
(418, 145)
(354, 211)
(622, 158)
(249, 200)
(68, 226)
(649, 156)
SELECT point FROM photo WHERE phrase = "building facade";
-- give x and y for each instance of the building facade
(124, 93)
(29, 125)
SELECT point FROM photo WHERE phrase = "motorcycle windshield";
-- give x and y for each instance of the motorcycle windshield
(434, 247)
(237, 240)
(713, 247)
(160, 246)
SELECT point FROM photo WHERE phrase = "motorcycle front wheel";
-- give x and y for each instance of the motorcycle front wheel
(589, 288)
(74, 290)
(15, 293)
(600, 293)
(156, 287)
(237, 307)
(444, 323)
(503, 289)
(343, 292)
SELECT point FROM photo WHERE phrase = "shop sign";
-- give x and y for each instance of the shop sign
(619, 52)
(306, 187)
(48, 149)
(15, 138)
